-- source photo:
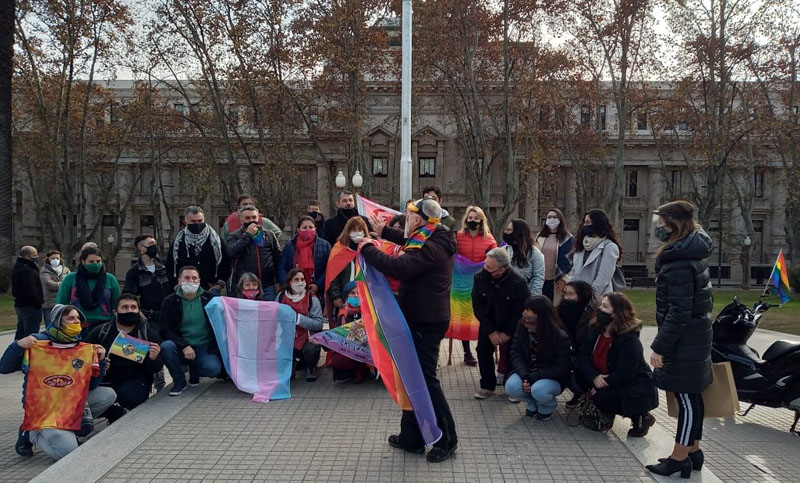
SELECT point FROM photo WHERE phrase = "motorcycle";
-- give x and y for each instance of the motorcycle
(771, 379)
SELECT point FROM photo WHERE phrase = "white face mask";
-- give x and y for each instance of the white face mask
(356, 236)
(552, 223)
(298, 287)
(55, 262)
(189, 288)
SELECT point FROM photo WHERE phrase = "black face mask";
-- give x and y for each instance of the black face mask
(588, 230)
(349, 212)
(196, 228)
(152, 251)
(508, 238)
(570, 310)
(129, 319)
(603, 319)
(473, 225)
(247, 225)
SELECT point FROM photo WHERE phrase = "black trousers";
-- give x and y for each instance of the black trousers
(485, 352)
(548, 289)
(465, 345)
(690, 418)
(426, 343)
(308, 356)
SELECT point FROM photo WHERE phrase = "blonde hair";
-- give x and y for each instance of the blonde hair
(483, 229)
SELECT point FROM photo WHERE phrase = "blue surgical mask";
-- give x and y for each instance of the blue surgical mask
(354, 302)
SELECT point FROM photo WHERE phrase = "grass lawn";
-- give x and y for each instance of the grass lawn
(8, 318)
(781, 319)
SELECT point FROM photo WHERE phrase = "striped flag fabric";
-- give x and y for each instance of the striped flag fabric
(367, 207)
(779, 279)
(463, 324)
(392, 349)
(256, 342)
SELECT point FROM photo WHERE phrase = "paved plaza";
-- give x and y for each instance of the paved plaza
(328, 432)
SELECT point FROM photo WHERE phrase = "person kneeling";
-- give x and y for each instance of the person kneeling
(540, 358)
(344, 368)
(131, 380)
(54, 397)
(611, 358)
(309, 318)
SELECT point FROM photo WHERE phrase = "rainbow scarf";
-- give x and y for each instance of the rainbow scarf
(419, 237)
(779, 279)
(463, 324)
(392, 349)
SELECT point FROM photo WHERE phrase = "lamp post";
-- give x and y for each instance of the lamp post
(746, 244)
(111, 239)
(358, 181)
(340, 180)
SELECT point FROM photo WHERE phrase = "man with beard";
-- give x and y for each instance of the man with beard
(334, 225)
(200, 246)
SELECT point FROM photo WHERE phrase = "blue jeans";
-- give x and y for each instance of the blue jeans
(29, 319)
(542, 397)
(203, 364)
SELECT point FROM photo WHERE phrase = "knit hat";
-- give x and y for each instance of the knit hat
(351, 285)
(427, 208)
(682, 210)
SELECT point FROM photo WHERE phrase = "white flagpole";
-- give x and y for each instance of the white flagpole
(405, 110)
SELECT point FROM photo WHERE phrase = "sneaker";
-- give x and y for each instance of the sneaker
(513, 400)
(87, 423)
(23, 446)
(194, 380)
(544, 417)
(470, 360)
(114, 413)
(483, 394)
(501, 378)
(394, 442)
(158, 380)
(311, 374)
(573, 402)
(530, 413)
(437, 454)
(177, 389)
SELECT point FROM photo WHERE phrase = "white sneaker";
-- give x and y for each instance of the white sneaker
(483, 394)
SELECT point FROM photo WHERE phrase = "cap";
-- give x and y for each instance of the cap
(427, 208)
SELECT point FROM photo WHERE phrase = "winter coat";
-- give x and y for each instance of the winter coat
(563, 262)
(497, 303)
(248, 257)
(335, 224)
(533, 271)
(150, 287)
(555, 363)
(475, 248)
(425, 274)
(50, 283)
(683, 312)
(596, 267)
(172, 317)
(321, 251)
(233, 223)
(448, 221)
(336, 289)
(122, 369)
(205, 262)
(627, 370)
(26, 285)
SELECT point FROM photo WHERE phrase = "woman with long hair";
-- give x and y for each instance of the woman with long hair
(682, 347)
(555, 241)
(540, 358)
(474, 240)
(612, 366)
(596, 252)
(525, 255)
(341, 267)
(309, 319)
(308, 252)
(576, 310)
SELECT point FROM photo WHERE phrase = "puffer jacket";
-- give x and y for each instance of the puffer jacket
(532, 271)
(683, 312)
(475, 248)
(248, 257)
(321, 251)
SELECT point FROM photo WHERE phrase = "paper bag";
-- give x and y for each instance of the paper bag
(719, 399)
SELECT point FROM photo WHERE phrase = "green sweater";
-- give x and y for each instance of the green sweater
(67, 295)
(194, 326)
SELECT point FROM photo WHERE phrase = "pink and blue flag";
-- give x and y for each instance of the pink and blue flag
(256, 342)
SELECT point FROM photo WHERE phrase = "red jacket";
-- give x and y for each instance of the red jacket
(474, 248)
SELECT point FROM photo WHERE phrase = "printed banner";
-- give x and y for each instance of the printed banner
(256, 342)
(130, 347)
(463, 324)
(368, 208)
(350, 340)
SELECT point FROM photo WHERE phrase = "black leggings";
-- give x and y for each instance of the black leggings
(690, 418)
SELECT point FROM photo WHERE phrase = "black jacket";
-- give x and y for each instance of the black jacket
(555, 362)
(576, 323)
(497, 304)
(205, 261)
(151, 288)
(425, 274)
(627, 370)
(334, 225)
(248, 257)
(172, 317)
(122, 369)
(26, 286)
(683, 312)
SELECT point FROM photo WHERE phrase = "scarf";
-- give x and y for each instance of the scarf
(90, 299)
(258, 240)
(301, 304)
(194, 245)
(591, 242)
(304, 256)
(418, 238)
(53, 326)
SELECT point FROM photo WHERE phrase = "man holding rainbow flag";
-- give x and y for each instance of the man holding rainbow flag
(425, 271)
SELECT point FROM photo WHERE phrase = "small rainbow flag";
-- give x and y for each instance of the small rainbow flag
(779, 279)
(130, 347)
(463, 324)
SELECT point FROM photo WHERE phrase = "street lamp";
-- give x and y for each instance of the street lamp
(746, 243)
(357, 180)
(341, 181)
(111, 239)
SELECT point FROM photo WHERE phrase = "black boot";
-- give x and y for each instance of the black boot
(697, 457)
(23, 445)
(641, 425)
(670, 466)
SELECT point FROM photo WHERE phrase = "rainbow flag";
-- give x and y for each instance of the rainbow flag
(463, 324)
(129, 347)
(346, 340)
(392, 349)
(779, 279)
(256, 342)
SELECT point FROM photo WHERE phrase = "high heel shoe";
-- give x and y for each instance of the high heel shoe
(670, 466)
(697, 458)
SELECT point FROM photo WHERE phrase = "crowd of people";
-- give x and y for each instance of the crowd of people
(548, 303)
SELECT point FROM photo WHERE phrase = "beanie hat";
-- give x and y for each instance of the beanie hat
(682, 210)
(351, 285)
(427, 208)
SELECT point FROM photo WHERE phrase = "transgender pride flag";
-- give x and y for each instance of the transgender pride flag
(255, 341)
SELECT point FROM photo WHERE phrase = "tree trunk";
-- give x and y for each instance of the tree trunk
(6, 62)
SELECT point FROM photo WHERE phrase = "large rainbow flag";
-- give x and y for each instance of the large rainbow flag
(256, 342)
(392, 349)
(463, 324)
(779, 279)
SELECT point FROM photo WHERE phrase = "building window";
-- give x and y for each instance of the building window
(108, 220)
(632, 189)
(380, 167)
(601, 118)
(675, 182)
(795, 110)
(759, 184)
(427, 167)
(641, 121)
(682, 125)
(233, 116)
(180, 108)
(586, 115)
(147, 224)
(630, 224)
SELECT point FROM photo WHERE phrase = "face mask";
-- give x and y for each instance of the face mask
(298, 287)
(603, 319)
(662, 234)
(250, 294)
(552, 223)
(55, 262)
(129, 319)
(35, 260)
(307, 235)
(71, 330)
(473, 225)
(588, 230)
(93, 267)
(196, 228)
(354, 302)
(152, 251)
(356, 236)
(508, 238)
(189, 288)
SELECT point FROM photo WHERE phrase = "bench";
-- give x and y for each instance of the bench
(642, 282)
